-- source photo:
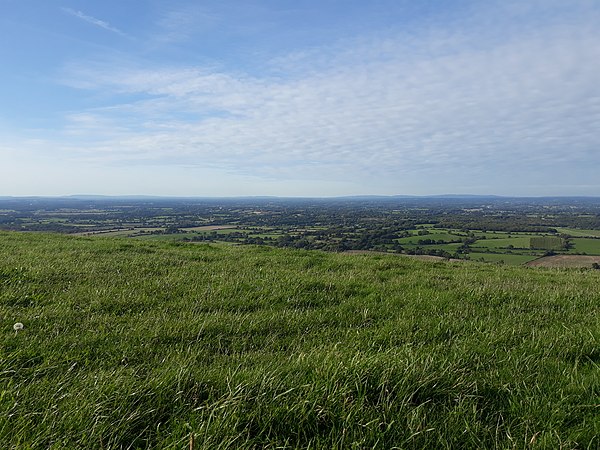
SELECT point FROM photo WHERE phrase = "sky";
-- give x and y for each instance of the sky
(299, 98)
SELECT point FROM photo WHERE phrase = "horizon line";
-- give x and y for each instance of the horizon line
(351, 196)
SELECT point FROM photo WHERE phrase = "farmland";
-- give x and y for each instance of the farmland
(586, 246)
(565, 261)
(498, 230)
(131, 343)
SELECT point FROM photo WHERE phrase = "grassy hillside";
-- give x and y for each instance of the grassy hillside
(147, 344)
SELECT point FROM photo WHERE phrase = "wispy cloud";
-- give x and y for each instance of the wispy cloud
(93, 21)
(402, 109)
(180, 25)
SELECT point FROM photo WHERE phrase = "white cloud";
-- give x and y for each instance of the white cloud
(180, 25)
(390, 110)
(93, 21)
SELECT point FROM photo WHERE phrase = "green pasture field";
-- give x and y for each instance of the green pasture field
(516, 242)
(586, 245)
(492, 234)
(547, 243)
(579, 233)
(507, 258)
(149, 344)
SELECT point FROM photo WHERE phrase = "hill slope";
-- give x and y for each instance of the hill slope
(140, 345)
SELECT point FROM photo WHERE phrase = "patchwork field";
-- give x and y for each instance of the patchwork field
(490, 246)
(436, 236)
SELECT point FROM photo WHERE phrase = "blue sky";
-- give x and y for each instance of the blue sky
(299, 98)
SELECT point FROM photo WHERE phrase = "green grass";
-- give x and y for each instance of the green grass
(586, 245)
(493, 234)
(516, 242)
(506, 258)
(575, 232)
(546, 242)
(140, 344)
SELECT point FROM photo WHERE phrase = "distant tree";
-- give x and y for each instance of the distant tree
(568, 244)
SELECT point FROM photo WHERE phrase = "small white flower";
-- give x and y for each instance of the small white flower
(17, 327)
